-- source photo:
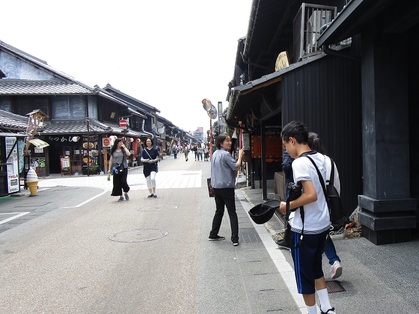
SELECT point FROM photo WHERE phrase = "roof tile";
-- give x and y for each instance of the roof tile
(25, 87)
(13, 121)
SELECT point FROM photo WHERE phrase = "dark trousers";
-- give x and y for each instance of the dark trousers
(307, 259)
(225, 197)
(120, 183)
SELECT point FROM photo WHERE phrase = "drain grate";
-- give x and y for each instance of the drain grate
(334, 286)
(248, 235)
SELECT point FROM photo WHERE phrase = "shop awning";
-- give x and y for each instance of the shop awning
(9, 134)
(38, 143)
(247, 99)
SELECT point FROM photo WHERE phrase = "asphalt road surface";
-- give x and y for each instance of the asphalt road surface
(75, 249)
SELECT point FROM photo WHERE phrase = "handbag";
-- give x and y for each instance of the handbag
(210, 188)
(117, 168)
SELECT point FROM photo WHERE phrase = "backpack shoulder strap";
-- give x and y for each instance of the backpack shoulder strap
(332, 172)
(320, 179)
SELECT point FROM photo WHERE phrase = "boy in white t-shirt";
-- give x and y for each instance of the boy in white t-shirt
(308, 236)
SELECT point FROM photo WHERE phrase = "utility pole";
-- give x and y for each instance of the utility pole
(88, 146)
(212, 112)
(220, 114)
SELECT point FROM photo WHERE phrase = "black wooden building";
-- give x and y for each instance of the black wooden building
(351, 78)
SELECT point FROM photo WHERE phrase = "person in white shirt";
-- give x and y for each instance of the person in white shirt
(308, 232)
(315, 144)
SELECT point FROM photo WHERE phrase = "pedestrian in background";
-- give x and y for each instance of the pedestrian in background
(186, 152)
(285, 242)
(335, 263)
(195, 150)
(223, 180)
(150, 158)
(200, 152)
(206, 153)
(287, 168)
(119, 155)
(175, 151)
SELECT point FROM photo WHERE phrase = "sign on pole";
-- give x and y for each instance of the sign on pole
(123, 123)
(106, 142)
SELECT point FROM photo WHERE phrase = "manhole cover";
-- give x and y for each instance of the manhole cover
(334, 286)
(156, 208)
(138, 235)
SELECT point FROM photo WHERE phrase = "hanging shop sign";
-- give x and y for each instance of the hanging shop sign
(88, 145)
(106, 142)
(90, 138)
(38, 143)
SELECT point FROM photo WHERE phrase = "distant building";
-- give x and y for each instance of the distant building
(199, 133)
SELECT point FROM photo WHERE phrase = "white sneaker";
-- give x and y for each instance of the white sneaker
(336, 270)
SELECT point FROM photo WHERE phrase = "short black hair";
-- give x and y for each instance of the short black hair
(297, 130)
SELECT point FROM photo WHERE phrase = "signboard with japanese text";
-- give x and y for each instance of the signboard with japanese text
(65, 165)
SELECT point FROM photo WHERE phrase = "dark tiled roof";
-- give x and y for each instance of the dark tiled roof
(11, 121)
(116, 129)
(25, 87)
(131, 100)
(58, 127)
(61, 127)
(39, 63)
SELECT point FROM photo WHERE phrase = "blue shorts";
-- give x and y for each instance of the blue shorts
(308, 260)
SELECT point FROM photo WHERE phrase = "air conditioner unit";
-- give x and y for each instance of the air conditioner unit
(306, 28)
(317, 19)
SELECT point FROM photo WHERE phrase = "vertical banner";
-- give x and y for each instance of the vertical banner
(65, 165)
(12, 165)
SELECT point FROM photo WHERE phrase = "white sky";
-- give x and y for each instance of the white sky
(168, 53)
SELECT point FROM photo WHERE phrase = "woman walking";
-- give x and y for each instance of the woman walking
(223, 180)
(149, 158)
(186, 151)
(118, 160)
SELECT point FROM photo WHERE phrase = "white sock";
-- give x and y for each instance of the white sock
(312, 309)
(324, 299)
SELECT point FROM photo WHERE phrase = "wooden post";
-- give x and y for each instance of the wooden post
(105, 159)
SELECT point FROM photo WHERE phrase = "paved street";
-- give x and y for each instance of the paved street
(73, 248)
(77, 250)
